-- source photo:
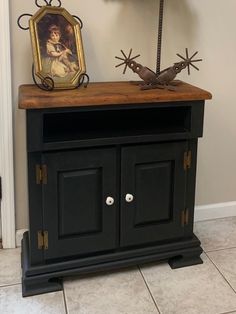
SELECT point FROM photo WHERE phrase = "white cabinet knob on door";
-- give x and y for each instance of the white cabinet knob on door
(129, 198)
(110, 201)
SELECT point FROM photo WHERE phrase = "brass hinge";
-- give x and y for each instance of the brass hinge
(42, 240)
(187, 160)
(41, 174)
(184, 217)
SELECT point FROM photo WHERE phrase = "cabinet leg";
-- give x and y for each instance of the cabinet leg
(37, 286)
(186, 259)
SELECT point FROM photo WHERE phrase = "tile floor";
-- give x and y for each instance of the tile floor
(155, 288)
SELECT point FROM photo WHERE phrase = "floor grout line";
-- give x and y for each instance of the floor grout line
(64, 297)
(10, 285)
(213, 219)
(222, 249)
(154, 301)
(229, 312)
(221, 274)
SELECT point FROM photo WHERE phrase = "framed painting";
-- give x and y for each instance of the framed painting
(57, 47)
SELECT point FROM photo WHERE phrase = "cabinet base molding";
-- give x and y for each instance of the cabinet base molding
(48, 277)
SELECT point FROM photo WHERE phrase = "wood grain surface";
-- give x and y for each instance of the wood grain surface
(105, 93)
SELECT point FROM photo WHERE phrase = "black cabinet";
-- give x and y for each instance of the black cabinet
(110, 184)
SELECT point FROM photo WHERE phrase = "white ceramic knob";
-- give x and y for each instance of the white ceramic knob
(129, 198)
(110, 201)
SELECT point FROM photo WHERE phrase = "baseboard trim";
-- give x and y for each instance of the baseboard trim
(6, 131)
(19, 236)
(205, 212)
(214, 211)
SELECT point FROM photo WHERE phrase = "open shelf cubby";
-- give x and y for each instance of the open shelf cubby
(103, 123)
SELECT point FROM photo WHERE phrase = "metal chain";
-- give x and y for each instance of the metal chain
(159, 39)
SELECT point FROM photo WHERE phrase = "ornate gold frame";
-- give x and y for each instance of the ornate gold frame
(71, 81)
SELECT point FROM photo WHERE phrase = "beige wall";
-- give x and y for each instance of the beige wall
(111, 25)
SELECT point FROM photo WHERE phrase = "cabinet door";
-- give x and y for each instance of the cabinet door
(154, 176)
(76, 215)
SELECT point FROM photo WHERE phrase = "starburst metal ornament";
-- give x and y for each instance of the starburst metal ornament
(190, 61)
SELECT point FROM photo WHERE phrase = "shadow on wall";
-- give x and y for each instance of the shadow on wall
(180, 27)
(138, 23)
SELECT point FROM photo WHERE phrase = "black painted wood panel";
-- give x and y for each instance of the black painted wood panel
(35, 209)
(155, 176)
(76, 216)
(90, 127)
(83, 215)
(153, 201)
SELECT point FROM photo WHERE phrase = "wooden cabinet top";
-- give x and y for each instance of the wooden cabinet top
(105, 93)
